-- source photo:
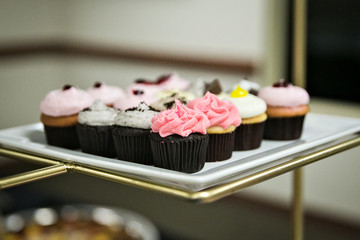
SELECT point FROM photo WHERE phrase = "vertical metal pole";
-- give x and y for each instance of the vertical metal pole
(298, 77)
(298, 212)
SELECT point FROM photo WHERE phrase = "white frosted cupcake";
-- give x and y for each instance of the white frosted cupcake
(252, 112)
(95, 129)
(131, 134)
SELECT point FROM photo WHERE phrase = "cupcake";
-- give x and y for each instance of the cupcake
(224, 119)
(131, 134)
(59, 114)
(179, 140)
(172, 81)
(107, 94)
(95, 129)
(201, 87)
(287, 106)
(249, 86)
(252, 112)
(133, 98)
(167, 99)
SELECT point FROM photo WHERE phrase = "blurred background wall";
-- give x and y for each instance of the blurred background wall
(230, 33)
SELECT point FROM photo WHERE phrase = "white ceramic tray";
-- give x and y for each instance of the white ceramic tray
(318, 130)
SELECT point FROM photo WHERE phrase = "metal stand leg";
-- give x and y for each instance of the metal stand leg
(298, 214)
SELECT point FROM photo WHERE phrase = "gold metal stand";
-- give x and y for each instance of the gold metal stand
(204, 196)
(298, 213)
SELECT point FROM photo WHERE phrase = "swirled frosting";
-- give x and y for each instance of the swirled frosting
(284, 96)
(220, 113)
(107, 94)
(138, 117)
(98, 114)
(65, 102)
(247, 104)
(180, 120)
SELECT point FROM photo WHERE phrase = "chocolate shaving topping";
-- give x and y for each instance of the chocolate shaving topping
(138, 92)
(97, 84)
(66, 87)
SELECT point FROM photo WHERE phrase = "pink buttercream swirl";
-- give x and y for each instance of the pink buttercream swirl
(221, 113)
(180, 120)
(65, 102)
(288, 96)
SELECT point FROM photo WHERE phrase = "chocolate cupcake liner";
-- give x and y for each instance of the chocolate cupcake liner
(96, 140)
(220, 146)
(183, 154)
(132, 144)
(65, 137)
(286, 128)
(249, 136)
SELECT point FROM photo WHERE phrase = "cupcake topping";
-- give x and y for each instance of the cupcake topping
(180, 120)
(65, 102)
(248, 105)
(284, 95)
(138, 117)
(221, 113)
(98, 114)
(238, 93)
(281, 83)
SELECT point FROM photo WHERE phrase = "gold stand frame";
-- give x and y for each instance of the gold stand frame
(204, 196)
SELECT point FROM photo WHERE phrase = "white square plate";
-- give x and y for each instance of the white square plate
(318, 129)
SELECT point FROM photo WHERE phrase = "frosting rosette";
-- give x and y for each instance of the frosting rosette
(98, 114)
(65, 102)
(180, 120)
(107, 94)
(220, 113)
(287, 95)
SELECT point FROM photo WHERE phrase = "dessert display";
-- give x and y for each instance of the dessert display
(95, 129)
(287, 106)
(179, 140)
(224, 119)
(131, 134)
(252, 112)
(59, 114)
(107, 94)
(167, 124)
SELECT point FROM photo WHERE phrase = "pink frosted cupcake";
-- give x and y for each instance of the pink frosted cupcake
(287, 106)
(59, 114)
(178, 140)
(224, 119)
(133, 98)
(107, 94)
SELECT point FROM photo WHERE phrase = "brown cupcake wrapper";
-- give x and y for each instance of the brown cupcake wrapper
(178, 153)
(249, 136)
(220, 146)
(96, 140)
(65, 137)
(133, 147)
(286, 128)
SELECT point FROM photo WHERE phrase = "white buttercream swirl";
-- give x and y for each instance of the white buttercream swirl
(98, 115)
(248, 106)
(140, 117)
